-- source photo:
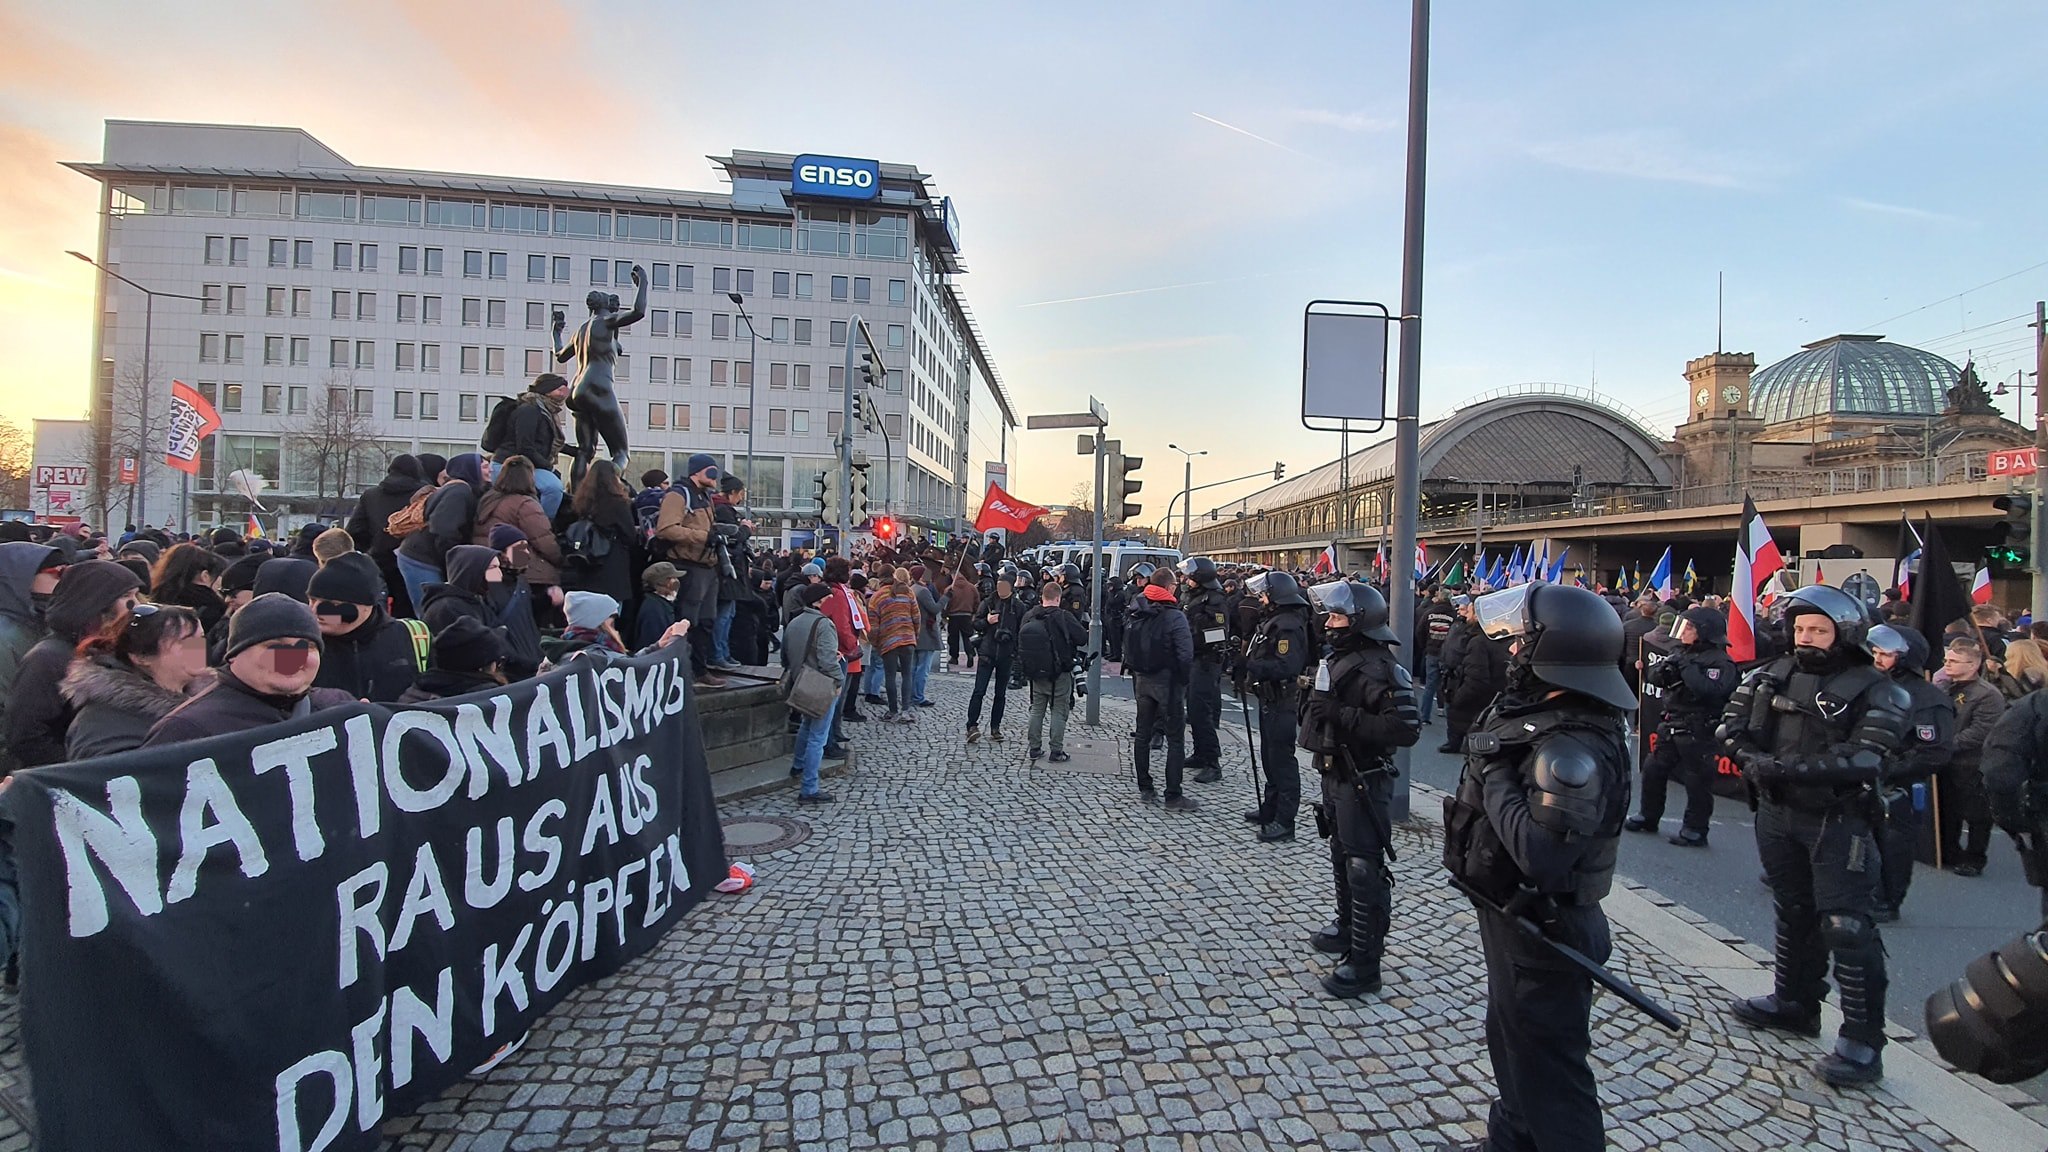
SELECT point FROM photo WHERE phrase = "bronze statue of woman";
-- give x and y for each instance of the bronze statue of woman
(595, 348)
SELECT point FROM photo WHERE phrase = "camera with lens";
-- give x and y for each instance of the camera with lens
(1994, 1021)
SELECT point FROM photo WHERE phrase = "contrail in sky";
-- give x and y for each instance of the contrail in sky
(1142, 291)
(1253, 135)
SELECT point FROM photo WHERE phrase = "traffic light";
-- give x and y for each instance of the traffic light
(1279, 470)
(820, 491)
(2015, 548)
(871, 367)
(1122, 484)
(885, 529)
(860, 493)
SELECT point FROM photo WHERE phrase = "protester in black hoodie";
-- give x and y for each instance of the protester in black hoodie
(374, 509)
(451, 521)
(472, 569)
(273, 658)
(88, 596)
(28, 575)
(368, 654)
(467, 657)
(185, 575)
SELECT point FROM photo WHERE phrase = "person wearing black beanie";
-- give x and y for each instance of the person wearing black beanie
(273, 657)
(369, 655)
(468, 657)
(286, 574)
(88, 595)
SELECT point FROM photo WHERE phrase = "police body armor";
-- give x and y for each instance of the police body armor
(1367, 680)
(1209, 620)
(1574, 767)
(1800, 719)
(1282, 634)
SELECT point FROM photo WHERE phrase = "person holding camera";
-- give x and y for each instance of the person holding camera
(687, 534)
(996, 623)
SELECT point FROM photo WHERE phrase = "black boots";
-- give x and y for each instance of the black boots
(1332, 938)
(1358, 973)
(1771, 1012)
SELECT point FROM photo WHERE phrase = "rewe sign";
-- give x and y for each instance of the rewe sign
(59, 476)
(2011, 462)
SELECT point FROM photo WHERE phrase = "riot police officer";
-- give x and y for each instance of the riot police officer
(1532, 834)
(1201, 598)
(1901, 653)
(1273, 663)
(1693, 685)
(1811, 731)
(1361, 708)
(1073, 590)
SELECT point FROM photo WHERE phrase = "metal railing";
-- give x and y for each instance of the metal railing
(1762, 485)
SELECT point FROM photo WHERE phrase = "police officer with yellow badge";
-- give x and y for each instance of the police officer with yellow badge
(1361, 708)
(1273, 663)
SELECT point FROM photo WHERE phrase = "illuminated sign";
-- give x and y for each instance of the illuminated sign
(835, 178)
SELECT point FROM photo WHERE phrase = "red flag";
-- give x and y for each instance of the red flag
(1756, 560)
(192, 421)
(999, 509)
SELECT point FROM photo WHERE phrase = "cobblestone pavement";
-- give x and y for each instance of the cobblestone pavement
(973, 953)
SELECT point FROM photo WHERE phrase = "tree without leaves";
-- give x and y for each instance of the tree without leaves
(1078, 521)
(334, 443)
(17, 456)
(130, 426)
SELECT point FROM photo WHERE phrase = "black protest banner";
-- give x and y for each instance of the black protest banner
(273, 940)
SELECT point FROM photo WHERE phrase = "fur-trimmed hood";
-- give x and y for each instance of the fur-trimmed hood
(108, 682)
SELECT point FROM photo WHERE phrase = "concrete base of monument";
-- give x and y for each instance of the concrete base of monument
(747, 741)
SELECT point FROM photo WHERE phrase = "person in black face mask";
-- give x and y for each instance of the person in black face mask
(367, 654)
(1811, 731)
(1361, 707)
(1692, 685)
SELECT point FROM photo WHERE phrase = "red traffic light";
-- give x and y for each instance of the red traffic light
(885, 528)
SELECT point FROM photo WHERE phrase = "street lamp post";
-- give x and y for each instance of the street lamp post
(149, 296)
(753, 374)
(1187, 483)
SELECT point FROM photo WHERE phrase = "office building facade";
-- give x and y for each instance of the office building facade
(341, 314)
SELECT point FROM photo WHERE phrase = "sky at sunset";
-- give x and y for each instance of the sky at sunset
(1150, 192)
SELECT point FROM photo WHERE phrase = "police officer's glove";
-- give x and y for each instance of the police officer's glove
(1757, 767)
(1663, 674)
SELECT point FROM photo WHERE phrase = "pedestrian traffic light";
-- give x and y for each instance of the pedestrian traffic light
(2015, 533)
(860, 493)
(1279, 470)
(1122, 484)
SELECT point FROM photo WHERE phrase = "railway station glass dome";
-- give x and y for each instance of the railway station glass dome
(1853, 376)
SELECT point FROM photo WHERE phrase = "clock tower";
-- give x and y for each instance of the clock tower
(1714, 443)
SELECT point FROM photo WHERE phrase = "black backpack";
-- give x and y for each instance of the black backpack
(498, 429)
(1145, 642)
(585, 545)
(1036, 656)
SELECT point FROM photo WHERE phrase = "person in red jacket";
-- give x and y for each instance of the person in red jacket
(847, 620)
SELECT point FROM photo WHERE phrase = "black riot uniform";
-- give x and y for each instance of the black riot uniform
(1931, 724)
(1534, 827)
(1811, 731)
(1274, 661)
(1209, 622)
(1692, 686)
(1361, 708)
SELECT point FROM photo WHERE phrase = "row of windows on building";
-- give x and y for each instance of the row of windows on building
(482, 312)
(491, 360)
(470, 407)
(480, 264)
(828, 231)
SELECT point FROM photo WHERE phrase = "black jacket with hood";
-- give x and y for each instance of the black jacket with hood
(38, 716)
(376, 505)
(21, 622)
(374, 661)
(451, 513)
(464, 593)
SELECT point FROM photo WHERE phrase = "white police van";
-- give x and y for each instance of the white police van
(1119, 556)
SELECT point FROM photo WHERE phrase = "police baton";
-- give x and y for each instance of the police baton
(1608, 980)
(1251, 748)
